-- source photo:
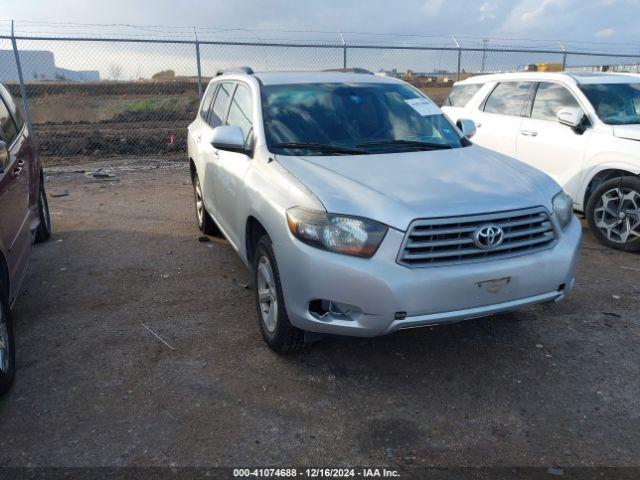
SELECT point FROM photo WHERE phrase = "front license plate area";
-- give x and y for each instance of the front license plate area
(495, 285)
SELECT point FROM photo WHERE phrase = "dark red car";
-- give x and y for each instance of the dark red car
(24, 218)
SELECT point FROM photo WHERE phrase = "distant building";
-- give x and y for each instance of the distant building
(40, 65)
(387, 73)
(622, 68)
(543, 67)
(164, 76)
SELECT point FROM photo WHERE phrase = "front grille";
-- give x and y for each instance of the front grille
(444, 241)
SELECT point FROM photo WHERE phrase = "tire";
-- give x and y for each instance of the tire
(43, 232)
(203, 219)
(613, 213)
(276, 329)
(7, 349)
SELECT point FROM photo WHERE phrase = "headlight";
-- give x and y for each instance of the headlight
(563, 208)
(336, 233)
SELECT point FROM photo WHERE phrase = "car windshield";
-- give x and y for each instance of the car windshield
(353, 118)
(615, 103)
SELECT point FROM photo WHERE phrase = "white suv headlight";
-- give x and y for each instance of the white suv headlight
(563, 208)
(356, 236)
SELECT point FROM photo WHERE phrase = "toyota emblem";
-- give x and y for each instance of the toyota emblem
(488, 236)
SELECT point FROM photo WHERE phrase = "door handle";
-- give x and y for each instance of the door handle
(198, 138)
(17, 171)
(20, 163)
(478, 125)
(528, 133)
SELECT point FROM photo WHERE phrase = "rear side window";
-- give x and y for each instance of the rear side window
(221, 104)
(11, 103)
(461, 94)
(508, 98)
(7, 125)
(206, 101)
(241, 111)
(550, 99)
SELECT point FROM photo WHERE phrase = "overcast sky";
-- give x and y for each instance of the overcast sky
(614, 21)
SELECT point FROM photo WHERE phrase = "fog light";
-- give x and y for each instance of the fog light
(329, 310)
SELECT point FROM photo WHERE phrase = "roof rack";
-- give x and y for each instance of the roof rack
(246, 70)
(349, 70)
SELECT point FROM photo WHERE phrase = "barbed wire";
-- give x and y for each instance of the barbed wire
(31, 28)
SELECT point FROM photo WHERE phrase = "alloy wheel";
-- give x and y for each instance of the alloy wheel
(267, 294)
(617, 214)
(199, 202)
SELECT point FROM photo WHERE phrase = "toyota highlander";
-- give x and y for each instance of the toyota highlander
(362, 210)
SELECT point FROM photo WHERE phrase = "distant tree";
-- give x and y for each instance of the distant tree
(115, 71)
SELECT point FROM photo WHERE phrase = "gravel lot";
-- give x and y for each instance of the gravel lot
(546, 386)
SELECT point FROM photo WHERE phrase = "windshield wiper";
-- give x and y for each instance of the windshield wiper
(408, 143)
(320, 147)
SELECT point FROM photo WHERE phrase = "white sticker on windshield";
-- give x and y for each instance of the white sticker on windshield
(423, 106)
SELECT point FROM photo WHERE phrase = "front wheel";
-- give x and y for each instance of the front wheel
(7, 352)
(276, 329)
(613, 213)
(43, 232)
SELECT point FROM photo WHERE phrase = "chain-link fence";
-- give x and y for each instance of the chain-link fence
(93, 96)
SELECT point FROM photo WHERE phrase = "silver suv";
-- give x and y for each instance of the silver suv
(362, 210)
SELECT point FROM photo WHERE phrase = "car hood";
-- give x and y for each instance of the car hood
(631, 132)
(397, 188)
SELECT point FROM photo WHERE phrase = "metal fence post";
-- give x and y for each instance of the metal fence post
(459, 58)
(344, 52)
(23, 90)
(484, 52)
(564, 56)
(197, 43)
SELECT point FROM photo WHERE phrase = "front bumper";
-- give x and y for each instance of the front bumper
(389, 296)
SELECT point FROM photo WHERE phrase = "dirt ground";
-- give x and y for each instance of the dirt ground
(550, 386)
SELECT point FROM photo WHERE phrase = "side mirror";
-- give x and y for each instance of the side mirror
(571, 117)
(467, 127)
(228, 137)
(4, 155)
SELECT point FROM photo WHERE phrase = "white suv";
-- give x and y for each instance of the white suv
(583, 129)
